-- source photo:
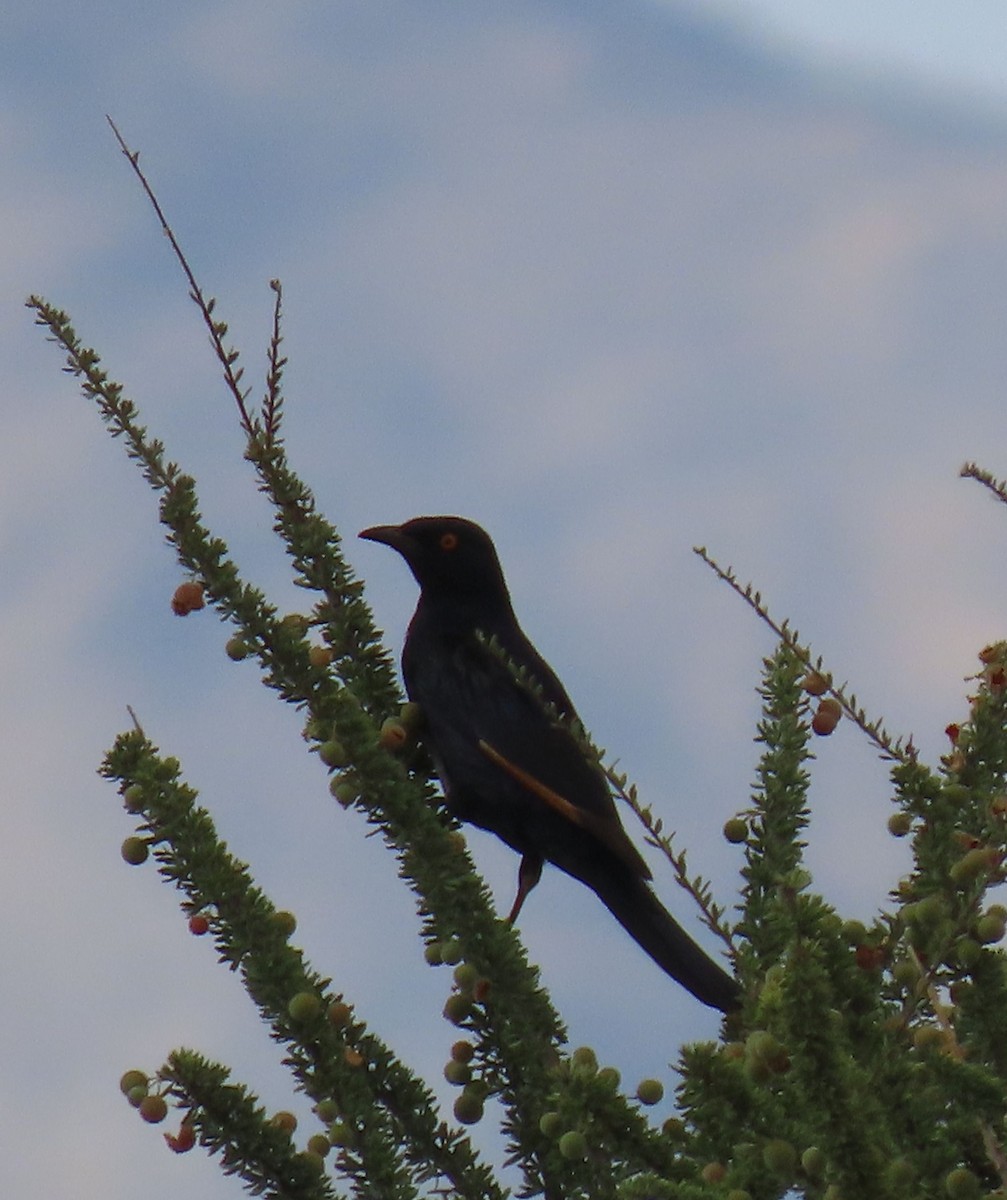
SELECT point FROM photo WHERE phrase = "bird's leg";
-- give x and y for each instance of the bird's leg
(529, 873)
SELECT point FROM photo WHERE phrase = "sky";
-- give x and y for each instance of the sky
(613, 279)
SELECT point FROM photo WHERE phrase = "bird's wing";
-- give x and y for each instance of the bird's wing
(486, 726)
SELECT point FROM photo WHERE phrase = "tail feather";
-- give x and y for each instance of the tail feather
(645, 919)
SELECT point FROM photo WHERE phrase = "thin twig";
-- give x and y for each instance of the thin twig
(897, 748)
(217, 329)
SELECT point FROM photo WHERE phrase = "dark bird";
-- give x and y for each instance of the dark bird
(505, 765)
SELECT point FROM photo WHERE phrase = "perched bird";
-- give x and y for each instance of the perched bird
(505, 765)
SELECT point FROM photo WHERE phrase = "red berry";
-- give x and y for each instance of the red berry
(320, 656)
(284, 1120)
(393, 735)
(339, 1014)
(188, 598)
(182, 1141)
(815, 683)
(199, 923)
(826, 717)
(153, 1109)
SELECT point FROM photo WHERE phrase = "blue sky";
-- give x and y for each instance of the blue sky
(612, 279)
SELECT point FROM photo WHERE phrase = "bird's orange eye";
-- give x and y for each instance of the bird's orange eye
(449, 541)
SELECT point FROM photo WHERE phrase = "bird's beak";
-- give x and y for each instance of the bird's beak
(391, 535)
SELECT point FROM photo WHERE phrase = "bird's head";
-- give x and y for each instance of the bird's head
(449, 556)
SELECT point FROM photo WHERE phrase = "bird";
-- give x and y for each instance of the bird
(506, 764)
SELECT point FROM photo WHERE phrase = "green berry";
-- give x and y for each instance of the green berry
(135, 851)
(237, 648)
(609, 1077)
(457, 1073)
(333, 753)
(978, 861)
(463, 1051)
(132, 798)
(584, 1059)
(900, 1173)
(457, 1008)
(573, 1144)
(344, 790)
(928, 912)
(327, 1111)
(650, 1091)
(713, 1172)
(550, 1124)
(133, 1079)
(961, 1184)
(736, 830)
(433, 953)
(284, 921)
(169, 768)
(763, 1048)
(466, 976)
(451, 952)
(342, 1134)
(813, 1162)
(319, 1144)
(990, 928)
(905, 972)
(305, 1006)
(967, 952)
(468, 1108)
(900, 823)
(780, 1157)
(312, 1159)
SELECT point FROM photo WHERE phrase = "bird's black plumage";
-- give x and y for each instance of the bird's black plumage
(507, 767)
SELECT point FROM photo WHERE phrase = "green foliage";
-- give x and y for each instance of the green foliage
(867, 1061)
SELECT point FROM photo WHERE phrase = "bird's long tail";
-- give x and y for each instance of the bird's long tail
(645, 919)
